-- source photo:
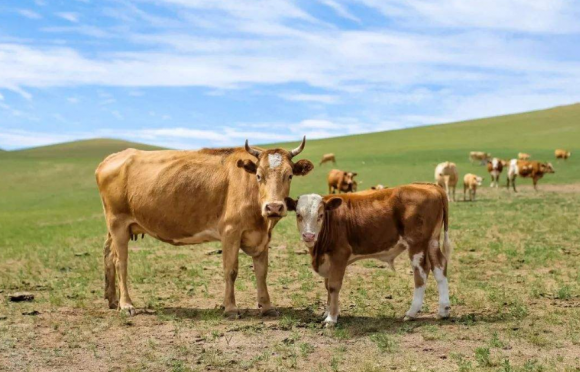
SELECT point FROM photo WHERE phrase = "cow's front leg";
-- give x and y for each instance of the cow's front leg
(335, 278)
(261, 272)
(230, 249)
(326, 310)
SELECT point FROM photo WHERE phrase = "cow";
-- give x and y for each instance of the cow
(495, 167)
(524, 156)
(339, 230)
(233, 195)
(341, 181)
(327, 158)
(562, 154)
(378, 187)
(446, 176)
(533, 169)
(480, 156)
(471, 182)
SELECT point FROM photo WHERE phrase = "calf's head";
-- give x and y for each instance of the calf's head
(311, 211)
(274, 170)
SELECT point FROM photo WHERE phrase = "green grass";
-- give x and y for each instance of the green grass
(514, 278)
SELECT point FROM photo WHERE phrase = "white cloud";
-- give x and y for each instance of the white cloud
(73, 100)
(69, 16)
(16, 139)
(317, 98)
(29, 14)
(340, 9)
(1, 97)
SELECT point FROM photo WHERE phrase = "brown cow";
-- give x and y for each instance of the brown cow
(495, 167)
(522, 168)
(446, 176)
(562, 154)
(339, 230)
(233, 195)
(378, 187)
(524, 156)
(327, 158)
(341, 181)
(471, 182)
(480, 156)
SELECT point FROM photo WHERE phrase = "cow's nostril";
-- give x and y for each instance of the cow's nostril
(274, 207)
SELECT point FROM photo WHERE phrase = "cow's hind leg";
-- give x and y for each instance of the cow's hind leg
(439, 267)
(110, 274)
(261, 271)
(120, 236)
(420, 266)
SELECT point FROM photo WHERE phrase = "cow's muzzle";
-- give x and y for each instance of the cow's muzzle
(275, 210)
(308, 237)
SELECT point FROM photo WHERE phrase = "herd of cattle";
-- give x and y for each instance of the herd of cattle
(237, 196)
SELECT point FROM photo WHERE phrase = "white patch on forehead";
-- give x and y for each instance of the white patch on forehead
(275, 160)
(308, 204)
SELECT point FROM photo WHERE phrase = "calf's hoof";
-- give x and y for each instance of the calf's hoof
(329, 324)
(444, 312)
(114, 304)
(128, 309)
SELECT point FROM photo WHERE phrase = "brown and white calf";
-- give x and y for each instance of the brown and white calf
(527, 169)
(482, 157)
(341, 181)
(495, 167)
(524, 156)
(471, 182)
(339, 230)
(326, 158)
(447, 176)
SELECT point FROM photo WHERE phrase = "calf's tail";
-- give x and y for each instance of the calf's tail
(447, 246)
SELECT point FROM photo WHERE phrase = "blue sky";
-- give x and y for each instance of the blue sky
(193, 73)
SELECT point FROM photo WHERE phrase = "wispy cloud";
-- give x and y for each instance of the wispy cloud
(317, 98)
(69, 16)
(340, 9)
(29, 14)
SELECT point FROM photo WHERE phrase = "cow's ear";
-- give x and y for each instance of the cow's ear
(355, 174)
(290, 203)
(332, 204)
(248, 165)
(302, 167)
(373, 188)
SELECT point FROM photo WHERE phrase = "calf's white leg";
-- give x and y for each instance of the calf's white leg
(420, 276)
(443, 288)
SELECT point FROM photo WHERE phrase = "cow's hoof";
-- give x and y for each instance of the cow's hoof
(409, 318)
(329, 324)
(272, 312)
(128, 309)
(444, 312)
(113, 305)
(232, 314)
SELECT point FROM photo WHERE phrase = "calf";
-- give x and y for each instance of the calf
(470, 182)
(524, 156)
(328, 158)
(446, 176)
(562, 154)
(378, 187)
(480, 156)
(495, 167)
(533, 169)
(339, 230)
(341, 181)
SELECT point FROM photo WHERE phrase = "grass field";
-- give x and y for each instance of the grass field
(514, 278)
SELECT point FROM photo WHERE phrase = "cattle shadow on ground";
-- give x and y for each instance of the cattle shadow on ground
(355, 326)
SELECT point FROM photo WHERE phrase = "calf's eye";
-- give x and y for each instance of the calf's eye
(258, 177)
(289, 177)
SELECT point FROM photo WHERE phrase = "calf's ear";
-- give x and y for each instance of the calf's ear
(290, 203)
(354, 174)
(248, 165)
(302, 167)
(332, 204)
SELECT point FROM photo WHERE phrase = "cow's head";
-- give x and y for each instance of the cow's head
(478, 180)
(547, 168)
(274, 170)
(348, 182)
(311, 211)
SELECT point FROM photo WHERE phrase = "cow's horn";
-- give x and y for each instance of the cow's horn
(298, 149)
(252, 151)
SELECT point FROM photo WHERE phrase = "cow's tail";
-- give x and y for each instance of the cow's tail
(447, 246)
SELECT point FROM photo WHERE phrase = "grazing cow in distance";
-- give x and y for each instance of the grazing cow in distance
(562, 154)
(339, 230)
(480, 156)
(527, 169)
(341, 181)
(524, 156)
(446, 176)
(328, 158)
(471, 182)
(495, 167)
(234, 195)
(378, 187)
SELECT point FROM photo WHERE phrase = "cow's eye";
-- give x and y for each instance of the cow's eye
(258, 177)
(320, 216)
(289, 177)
